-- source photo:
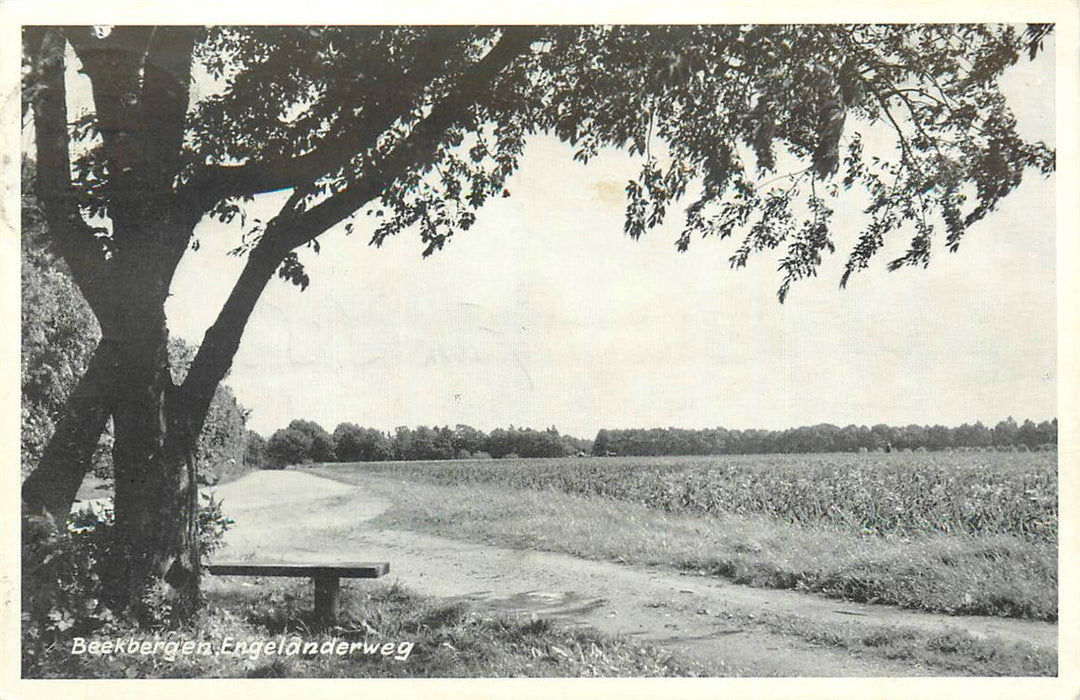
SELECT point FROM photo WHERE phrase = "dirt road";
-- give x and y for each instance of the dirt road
(733, 630)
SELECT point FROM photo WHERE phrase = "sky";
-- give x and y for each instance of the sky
(545, 313)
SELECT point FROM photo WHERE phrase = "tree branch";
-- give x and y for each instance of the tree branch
(222, 339)
(165, 94)
(52, 486)
(31, 46)
(425, 136)
(291, 229)
(114, 65)
(75, 239)
(214, 183)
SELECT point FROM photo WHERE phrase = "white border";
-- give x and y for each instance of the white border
(14, 13)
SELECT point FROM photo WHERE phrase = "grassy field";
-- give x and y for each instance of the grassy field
(953, 533)
(872, 494)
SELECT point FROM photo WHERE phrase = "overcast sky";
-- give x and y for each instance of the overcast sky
(545, 313)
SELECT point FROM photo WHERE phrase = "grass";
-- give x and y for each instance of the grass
(427, 640)
(956, 574)
(875, 494)
(951, 650)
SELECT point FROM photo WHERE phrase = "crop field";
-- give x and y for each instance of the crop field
(978, 493)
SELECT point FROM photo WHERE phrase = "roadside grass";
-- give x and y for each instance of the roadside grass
(952, 650)
(998, 575)
(424, 638)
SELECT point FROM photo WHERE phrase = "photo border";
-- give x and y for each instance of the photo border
(14, 13)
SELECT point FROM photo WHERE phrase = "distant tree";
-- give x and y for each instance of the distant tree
(429, 443)
(402, 442)
(573, 445)
(1006, 432)
(883, 435)
(971, 436)
(602, 442)
(254, 450)
(219, 449)
(348, 443)
(820, 438)
(301, 442)
(498, 442)
(1028, 434)
(287, 447)
(939, 438)
(847, 440)
(353, 443)
(467, 439)
(1047, 432)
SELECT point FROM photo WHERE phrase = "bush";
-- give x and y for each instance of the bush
(61, 587)
(64, 594)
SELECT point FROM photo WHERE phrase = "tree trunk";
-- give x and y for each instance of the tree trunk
(52, 486)
(140, 80)
(155, 571)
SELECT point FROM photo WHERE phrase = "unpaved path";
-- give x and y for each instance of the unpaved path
(283, 515)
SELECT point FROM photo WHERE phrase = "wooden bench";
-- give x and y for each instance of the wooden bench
(327, 578)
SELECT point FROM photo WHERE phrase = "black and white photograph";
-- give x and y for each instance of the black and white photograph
(689, 353)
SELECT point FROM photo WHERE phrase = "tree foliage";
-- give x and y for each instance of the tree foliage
(1006, 435)
(302, 441)
(712, 112)
(355, 444)
(222, 442)
(254, 450)
(58, 331)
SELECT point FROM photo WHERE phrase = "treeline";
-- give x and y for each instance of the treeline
(1006, 435)
(304, 441)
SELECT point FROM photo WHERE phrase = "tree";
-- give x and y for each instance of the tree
(254, 450)
(355, 444)
(348, 442)
(219, 449)
(59, 334)
(1005, 433)
(301, 442)
(419, 126)
(467, 439)
(428, 443)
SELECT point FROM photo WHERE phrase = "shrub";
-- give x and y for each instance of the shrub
(64, 594)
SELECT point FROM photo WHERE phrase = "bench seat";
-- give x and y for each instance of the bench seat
(327, 577)
(341, 570)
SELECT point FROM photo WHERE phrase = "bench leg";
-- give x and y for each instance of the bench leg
(326, 598)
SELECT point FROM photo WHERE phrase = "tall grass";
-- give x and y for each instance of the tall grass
(999, 575)
(872, 494)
